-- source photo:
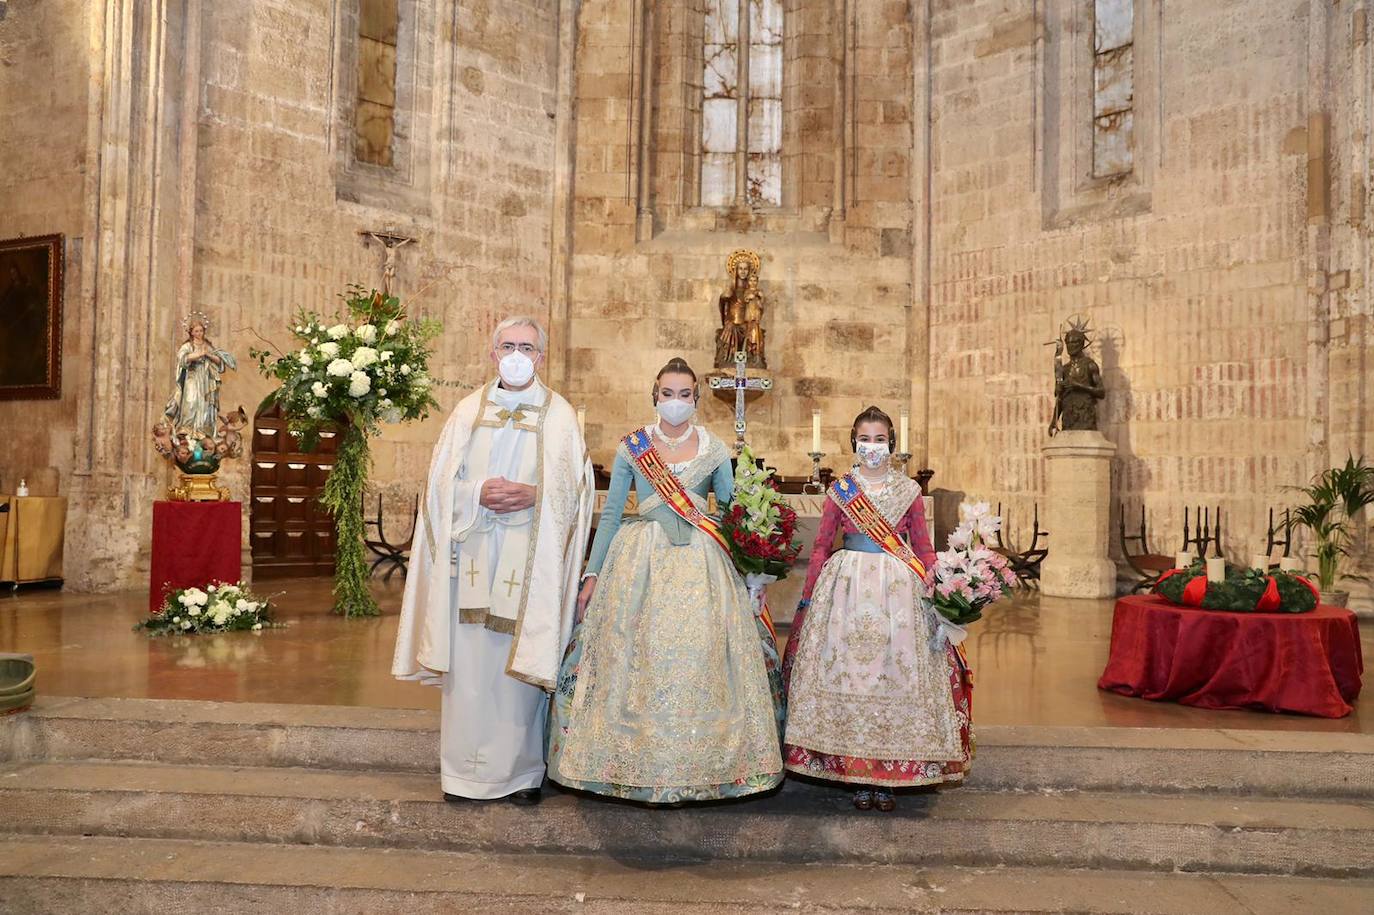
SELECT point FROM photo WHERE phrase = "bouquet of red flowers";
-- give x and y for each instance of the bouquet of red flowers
(760, 527)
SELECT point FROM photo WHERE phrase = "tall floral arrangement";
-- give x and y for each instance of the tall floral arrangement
(969, 575)
(364, 369)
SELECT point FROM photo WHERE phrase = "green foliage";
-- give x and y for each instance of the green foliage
(1334, 498)
(1241, 590)
(343, 497)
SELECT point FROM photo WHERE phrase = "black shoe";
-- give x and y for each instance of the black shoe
(526, 797)
(456, 798)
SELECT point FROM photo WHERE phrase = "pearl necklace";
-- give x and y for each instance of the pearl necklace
(673, 442)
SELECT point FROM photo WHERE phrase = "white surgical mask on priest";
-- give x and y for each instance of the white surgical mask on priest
(873, 454)
(517, 356)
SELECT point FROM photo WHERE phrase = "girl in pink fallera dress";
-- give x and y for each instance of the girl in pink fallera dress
(876, 694)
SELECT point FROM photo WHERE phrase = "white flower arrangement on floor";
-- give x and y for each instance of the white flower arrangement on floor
(969, 575)
(218, 607)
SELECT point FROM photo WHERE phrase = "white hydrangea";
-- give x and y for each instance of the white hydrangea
(338, 332)
(359, 384)
(257, 626)
(391, 327)
(364, 356)
(329, 349)
(405, 368)
(319, 390)
(305, 358)
(241, 606)
(366, 333)
(313, 412)
(186, 624)
(386, 355)
(340, 368)
(211, 588)
(193, 611)
(391, 415)
(193, 597)
(421, 382)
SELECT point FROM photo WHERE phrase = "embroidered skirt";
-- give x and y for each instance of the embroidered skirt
(670, 689)
(870, 700)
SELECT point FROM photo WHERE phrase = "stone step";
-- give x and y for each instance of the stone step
(1188, 832)
(1271, 763)
(44, 875)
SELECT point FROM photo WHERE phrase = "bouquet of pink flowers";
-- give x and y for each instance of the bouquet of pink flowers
(969, 575)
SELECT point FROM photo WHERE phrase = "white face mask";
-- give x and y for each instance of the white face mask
(516, 369)
(873, 454)
(675, 412)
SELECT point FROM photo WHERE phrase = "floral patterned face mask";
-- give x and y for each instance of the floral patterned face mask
(873, 454)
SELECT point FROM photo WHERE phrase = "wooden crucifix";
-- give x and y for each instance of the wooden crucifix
(389, 241)
(742, 384)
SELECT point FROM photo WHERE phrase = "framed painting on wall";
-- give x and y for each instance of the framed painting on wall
(31, 318)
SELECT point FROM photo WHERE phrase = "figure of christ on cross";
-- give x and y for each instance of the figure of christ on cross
(741, 384)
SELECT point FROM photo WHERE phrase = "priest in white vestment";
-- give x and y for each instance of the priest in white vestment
(492, 583)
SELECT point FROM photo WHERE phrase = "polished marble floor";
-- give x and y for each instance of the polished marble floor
(1036, 659)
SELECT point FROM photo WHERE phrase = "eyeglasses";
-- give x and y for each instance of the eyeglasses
(529, 349)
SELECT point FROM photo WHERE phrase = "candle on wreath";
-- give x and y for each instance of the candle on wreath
(1290, 564)
(1216, 570)
(1183, 560)
(1259, 561)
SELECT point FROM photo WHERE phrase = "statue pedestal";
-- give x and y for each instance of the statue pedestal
(1077, 515)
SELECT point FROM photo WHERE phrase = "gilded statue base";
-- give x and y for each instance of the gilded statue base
(198, 487)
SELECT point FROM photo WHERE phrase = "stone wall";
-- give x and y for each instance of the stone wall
(1208, 273)
(648, 264)
(217, 179)
(43, 151)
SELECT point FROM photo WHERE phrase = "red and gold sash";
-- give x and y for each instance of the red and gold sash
(640, 444)
(859, 508)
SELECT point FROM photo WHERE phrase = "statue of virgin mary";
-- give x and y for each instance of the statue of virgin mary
(194, 405)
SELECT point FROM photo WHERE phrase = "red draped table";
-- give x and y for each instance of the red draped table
(1308, 663)
(194, 543)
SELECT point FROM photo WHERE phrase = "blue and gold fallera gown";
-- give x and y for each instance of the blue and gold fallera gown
(670, 689)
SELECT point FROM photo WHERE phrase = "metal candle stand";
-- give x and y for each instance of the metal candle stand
(814, 486)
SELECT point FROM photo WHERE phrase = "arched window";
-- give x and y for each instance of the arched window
(741, 124)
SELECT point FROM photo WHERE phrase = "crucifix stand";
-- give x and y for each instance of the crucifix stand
(741, 384)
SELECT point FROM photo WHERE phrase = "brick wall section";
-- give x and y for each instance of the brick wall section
(1201, 303)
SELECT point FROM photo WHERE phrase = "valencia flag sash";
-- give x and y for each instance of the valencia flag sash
(640, 444)
(858, 508)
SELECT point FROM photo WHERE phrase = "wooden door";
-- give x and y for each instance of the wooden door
(292, 533)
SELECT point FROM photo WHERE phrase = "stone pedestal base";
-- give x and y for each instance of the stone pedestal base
(1078, 501)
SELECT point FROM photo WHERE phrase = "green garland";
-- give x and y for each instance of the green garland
(1241, 590)
(343, 497)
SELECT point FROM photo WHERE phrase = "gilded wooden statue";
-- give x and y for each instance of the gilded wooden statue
(741, 314)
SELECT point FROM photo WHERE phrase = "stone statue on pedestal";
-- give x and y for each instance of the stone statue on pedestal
(1077, 381)
(741, 314)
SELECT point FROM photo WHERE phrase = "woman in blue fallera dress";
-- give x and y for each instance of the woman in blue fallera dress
(670, 690)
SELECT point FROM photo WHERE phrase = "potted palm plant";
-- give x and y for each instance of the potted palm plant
(1334, 498)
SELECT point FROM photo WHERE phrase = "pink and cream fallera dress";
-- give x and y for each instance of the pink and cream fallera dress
(875, 693)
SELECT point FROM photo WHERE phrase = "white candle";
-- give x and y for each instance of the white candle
(905, 434)
(1259, 561)
(582, 420)
(1216, 569)
(1183, 560)
(815, 431)
(1290, 564)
